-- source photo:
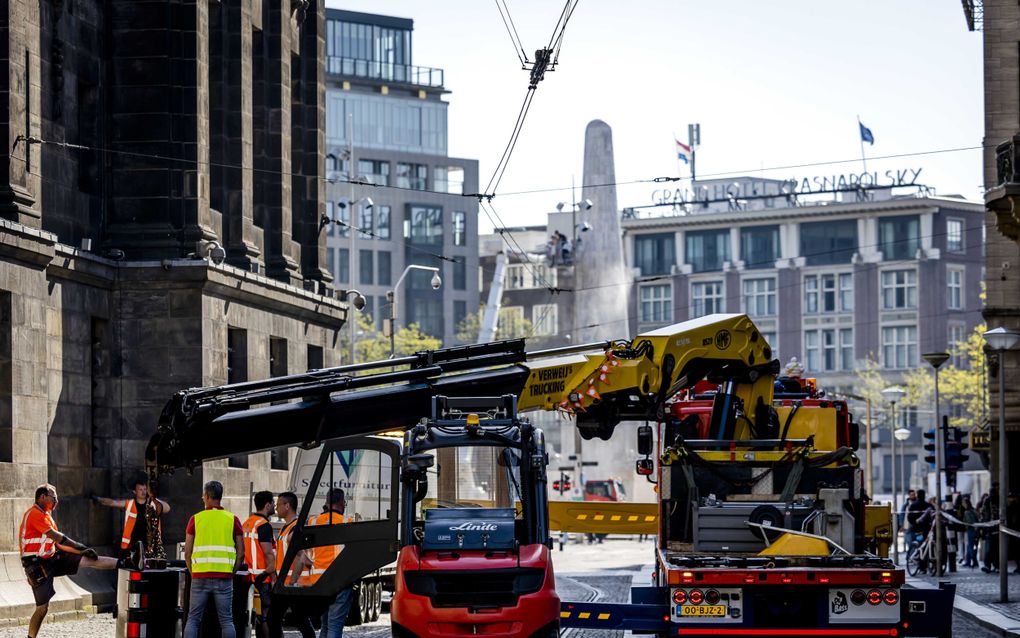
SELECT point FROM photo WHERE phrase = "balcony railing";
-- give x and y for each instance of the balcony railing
(385, 71)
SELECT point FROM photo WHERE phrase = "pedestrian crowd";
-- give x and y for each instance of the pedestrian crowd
(971, 536)
(219, 552)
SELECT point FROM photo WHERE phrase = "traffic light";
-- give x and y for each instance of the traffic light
(929, 435)
(562, 485)
(956, 443)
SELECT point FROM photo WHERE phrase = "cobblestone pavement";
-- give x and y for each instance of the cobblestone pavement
(983, 589)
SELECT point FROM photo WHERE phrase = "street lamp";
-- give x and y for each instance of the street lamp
(357, 300)
(893, 394)
(584, 204)
(902, 434)
(391, 297)
(935, 360)
(1000, 340)
(353, 226)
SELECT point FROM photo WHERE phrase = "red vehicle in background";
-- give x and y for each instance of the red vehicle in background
(609, 491)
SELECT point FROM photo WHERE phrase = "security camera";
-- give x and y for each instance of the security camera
(367, 202)
(586, 204)
(585, 227)
(359, 302)
(212, 251)
(436, 281)
(560, 206)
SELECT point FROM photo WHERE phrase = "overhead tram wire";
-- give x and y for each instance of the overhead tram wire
(552, 189)
(511, 28)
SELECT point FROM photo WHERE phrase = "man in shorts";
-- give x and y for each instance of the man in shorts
(46, 553)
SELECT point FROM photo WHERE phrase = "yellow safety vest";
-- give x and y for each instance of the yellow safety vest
(214, 549)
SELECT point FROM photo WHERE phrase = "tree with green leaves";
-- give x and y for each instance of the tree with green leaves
(372, 345)
(512, 325)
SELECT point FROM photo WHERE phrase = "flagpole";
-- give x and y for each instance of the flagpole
(690, 142)
(676, 154)
(863, 160)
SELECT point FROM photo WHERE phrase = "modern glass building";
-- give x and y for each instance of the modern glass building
(386, 128)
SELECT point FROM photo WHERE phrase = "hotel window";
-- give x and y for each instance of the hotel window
(706, 298)
(459, 223)
(706, 250)
(511, 320)
(412, 176)
(954, 235)
(829, 350)
(829, 293)
(760, 297)
(899, 289)
(899, 347)
(655, 303)
(343, 266)
(899, 237)
(954, 288)
(759, 246)
(655, 254)
(449, 179)
(831, 242)
(343, 215)
(957, 342)
(366, 268)
(544, 320)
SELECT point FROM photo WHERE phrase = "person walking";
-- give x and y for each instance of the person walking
(260, 555)
(336, 615)
(990, 513)
(1013, 522)
(287, 509)
(136, 528)
(46, 553)
(213, 551)
(970, 517)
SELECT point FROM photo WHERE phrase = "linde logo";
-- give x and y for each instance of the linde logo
(474, 527)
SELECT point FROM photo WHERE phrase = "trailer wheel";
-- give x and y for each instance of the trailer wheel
(373, 602)
(378, 601)
(357, 615)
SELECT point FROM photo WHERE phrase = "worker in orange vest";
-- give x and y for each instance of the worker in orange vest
(260, 554)
(336, 615)
(136, 525)
(46, 553)
(287, 509)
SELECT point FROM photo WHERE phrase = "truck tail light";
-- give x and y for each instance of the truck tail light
(697, 597)
(712, 597)
(858, 597)
(874, 597)
(680, 596)
(892, 597)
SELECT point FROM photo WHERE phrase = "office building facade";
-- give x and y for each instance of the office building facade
(386, 129)
(867, 274)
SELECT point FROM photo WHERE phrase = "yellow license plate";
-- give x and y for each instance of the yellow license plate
(703, 610)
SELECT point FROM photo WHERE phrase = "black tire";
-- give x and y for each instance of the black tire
(356, 615)
(377, 600)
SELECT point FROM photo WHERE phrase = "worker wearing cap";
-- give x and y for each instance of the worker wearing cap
(335, 616)
(46, 553)
(260, 553)
(213, 551)
(136, 527)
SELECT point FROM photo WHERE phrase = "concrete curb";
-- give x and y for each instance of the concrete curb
(986, 617)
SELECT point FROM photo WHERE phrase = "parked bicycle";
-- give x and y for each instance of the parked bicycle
(921, 555)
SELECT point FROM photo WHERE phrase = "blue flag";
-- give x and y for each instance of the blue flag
(866, 135)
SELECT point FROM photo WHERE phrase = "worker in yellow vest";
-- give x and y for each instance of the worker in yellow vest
(260, 554)
(336, 615)
(287, 510)
(136, 525)
(213, 551)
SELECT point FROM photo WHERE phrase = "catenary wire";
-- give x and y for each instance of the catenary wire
(512, 31)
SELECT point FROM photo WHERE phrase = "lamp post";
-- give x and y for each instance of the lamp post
(902, 434)
(935, 360)
(1000, 340)
(584, 204)
(391, 297)
(353, 298)
(893, 394)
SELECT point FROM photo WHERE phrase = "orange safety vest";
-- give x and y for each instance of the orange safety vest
(130, 516)
(32, 536)
(323, 557)
(253, 554)
(282, 543)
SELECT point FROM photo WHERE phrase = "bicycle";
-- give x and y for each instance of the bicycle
(921, 557)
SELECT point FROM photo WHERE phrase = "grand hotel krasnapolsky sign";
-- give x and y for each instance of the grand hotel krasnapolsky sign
(816, 185)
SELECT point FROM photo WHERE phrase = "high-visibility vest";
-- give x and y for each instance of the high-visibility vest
(214, 550)
(253, 554)
(282, 543)
(36, 546)
(323, 557)
(130, 516)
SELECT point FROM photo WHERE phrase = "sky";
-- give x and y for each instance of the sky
(773, 85)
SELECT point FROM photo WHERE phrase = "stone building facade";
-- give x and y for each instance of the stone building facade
(1002, 251)
(161, 187)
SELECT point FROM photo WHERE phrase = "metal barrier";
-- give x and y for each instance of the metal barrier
(604, 517)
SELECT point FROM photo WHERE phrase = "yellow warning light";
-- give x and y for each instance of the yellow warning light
(472, 419)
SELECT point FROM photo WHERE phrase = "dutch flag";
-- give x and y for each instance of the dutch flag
(683, 152)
